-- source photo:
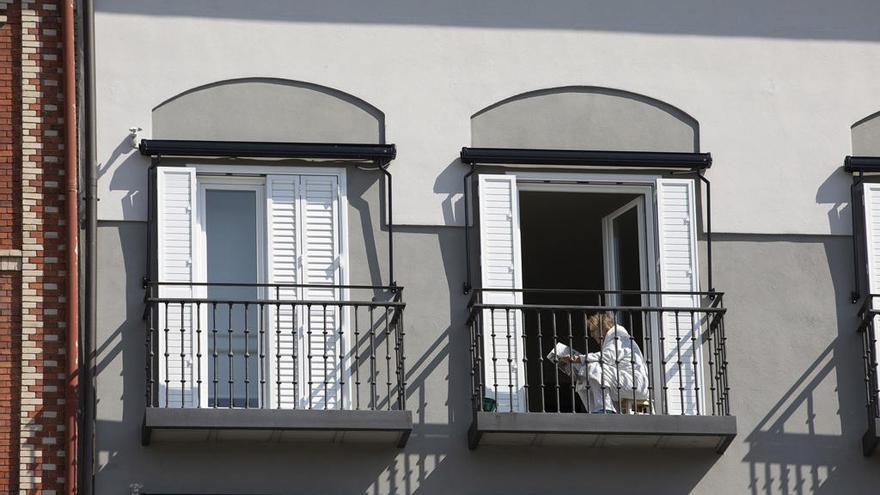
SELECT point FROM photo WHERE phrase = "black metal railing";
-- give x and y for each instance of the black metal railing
(869, 319)
(649, 353)
(278, 346)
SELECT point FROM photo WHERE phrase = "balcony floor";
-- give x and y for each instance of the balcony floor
(276, 425)
(602, 430)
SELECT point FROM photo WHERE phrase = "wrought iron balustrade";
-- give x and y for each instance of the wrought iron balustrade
(653, 353)
(869, 320)
(274, 346)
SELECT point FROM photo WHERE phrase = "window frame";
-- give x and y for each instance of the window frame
(252, 177)
(646, 185)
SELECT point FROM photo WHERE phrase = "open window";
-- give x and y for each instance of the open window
(866, 247)
(573, 248)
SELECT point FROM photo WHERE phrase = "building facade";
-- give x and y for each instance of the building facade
(34, 245)
(337, 243)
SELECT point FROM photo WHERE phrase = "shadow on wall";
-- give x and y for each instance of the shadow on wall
(127, 167)
(865, 142)
(795, 19)
(809, 441)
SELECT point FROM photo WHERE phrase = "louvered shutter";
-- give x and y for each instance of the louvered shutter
(283, 267)
(176, 191)
(871, 199)
(322, 335)
(680, 348)
(504, 376)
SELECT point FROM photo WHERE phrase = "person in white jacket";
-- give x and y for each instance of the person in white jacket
(616, 373)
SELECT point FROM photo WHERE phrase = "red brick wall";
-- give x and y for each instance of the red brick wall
(10, 124)
(10, 240)
(10, 379)
(32, 248)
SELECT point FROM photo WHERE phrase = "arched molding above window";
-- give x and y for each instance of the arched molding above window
(585, 117)
(866, 136)
(267, 109)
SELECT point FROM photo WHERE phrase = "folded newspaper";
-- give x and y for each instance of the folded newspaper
(561, 350)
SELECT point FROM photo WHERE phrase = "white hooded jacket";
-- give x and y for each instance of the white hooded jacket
(615, 373)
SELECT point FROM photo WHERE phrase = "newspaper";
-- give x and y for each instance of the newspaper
(561, 351)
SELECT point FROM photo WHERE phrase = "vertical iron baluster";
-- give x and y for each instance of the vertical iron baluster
(571, 368)
(167, 356)
(308, 317)
(325, 333)
(695, 364)
(231, 356)
(247, 355)
(214, 354)
(340, 343)
(511, 375)
(632, 360)
(663, 362)
(198, 317)
(541, 360)
(278, 354)
(398, 350)
(602, 387)
(357, 361)
(525, 364)
(472, 329)
(647, 352)
(481, 363)
(182, 359)
(261, 346)
(151, 323)
(587, 406)
(401, 329)
(294, 352)
(373, 392)
(387, 358)
(679, 363)
(556, 367)
(713, 356)
(494, 360)
(617, 360)
(872, 362)
(724, 374)
(871, 337)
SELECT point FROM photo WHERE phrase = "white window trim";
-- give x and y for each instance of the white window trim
(200, 248)
(260, 171)
(644, 184)
(238, 177)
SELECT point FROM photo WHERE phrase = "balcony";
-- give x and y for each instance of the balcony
(659, 378)
(264, 362)
(868, 332)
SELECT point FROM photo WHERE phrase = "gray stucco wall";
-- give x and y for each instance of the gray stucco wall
(866, 136)
(265, 109)
(796, 388)
(584, 118)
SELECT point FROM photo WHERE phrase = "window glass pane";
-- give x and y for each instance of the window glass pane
(231, 232)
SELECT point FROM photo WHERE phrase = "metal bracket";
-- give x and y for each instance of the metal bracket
(467, 229)
(856, 294)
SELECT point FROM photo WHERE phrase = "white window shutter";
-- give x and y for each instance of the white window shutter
(176, 193)
(501, 268)
(680, 344)
(283, 268)
(871, 200)
(322, 332)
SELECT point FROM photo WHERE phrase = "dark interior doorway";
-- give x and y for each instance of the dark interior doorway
(562, 248)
